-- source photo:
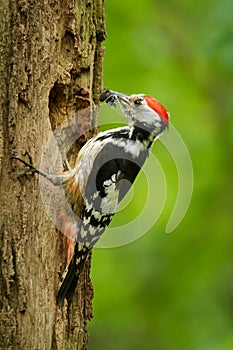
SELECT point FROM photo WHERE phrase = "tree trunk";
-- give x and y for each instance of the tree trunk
(51, 68)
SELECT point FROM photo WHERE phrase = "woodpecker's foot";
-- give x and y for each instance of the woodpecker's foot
(30, 167)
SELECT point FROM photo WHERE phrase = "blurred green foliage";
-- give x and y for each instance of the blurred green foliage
(173, 291)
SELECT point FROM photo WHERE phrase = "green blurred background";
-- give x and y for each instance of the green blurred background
(173, 291)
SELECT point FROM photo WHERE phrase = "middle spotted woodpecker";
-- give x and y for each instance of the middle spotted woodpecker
(106, 167)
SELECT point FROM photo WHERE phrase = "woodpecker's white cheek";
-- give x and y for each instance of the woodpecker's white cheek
(145, 114)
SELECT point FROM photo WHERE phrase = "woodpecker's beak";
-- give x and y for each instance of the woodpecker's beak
(113, 98)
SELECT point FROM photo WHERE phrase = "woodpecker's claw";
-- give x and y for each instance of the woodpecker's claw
(31, 168)
(56, 180)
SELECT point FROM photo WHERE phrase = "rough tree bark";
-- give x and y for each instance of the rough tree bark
(51, 67)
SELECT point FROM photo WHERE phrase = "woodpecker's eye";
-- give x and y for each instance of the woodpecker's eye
(139, 101)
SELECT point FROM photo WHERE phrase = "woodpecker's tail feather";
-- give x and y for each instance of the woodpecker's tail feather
(68, 284)
(70, 276)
